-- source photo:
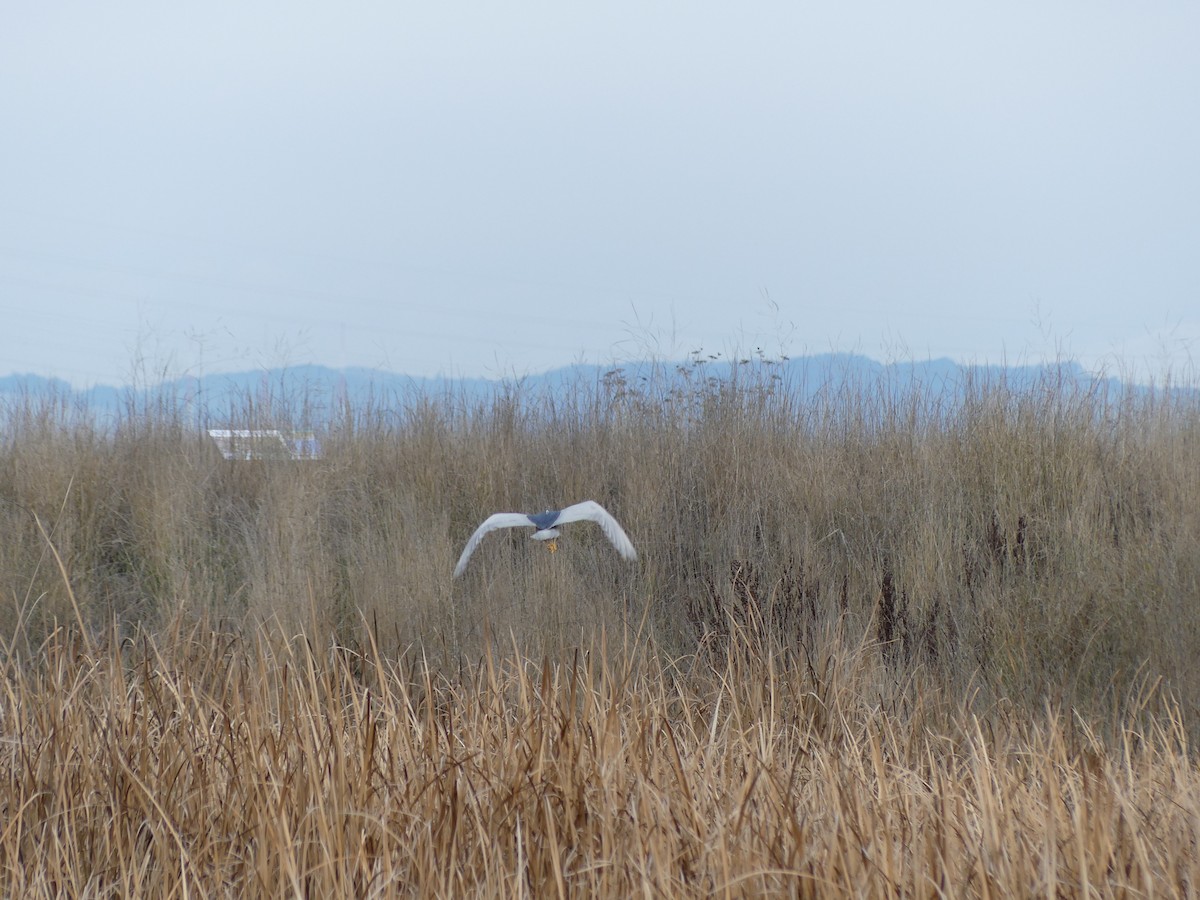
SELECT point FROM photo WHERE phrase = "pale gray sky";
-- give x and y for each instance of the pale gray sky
(471, 188)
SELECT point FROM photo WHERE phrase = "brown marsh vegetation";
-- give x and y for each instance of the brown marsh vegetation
(876, 643)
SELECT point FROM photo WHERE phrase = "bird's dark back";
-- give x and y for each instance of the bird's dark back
(544, 519)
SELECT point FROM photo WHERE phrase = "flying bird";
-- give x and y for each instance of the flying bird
(546, 525)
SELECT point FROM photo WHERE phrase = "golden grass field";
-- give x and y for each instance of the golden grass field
(872, 646)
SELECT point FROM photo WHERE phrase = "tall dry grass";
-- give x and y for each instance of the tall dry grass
(202, 764)
(1013, 544)
(878, 641)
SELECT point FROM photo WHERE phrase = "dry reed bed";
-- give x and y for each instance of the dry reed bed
(211, 765)
(889, 647)
(1032, 544)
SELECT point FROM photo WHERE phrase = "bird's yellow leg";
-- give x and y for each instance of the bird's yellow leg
(552, 545)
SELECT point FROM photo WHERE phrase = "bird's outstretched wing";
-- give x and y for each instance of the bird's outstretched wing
(491, 523)
(593, 511)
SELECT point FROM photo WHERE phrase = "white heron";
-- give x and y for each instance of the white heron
(546, 525)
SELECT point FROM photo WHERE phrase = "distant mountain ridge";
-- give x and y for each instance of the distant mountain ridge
(319, 389)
